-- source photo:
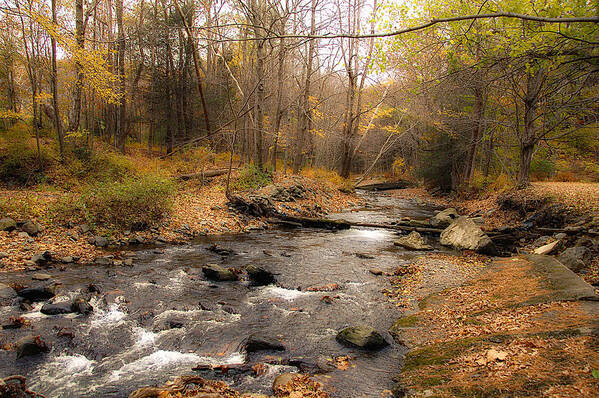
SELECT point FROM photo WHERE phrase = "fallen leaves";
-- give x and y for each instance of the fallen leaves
(331, 287)
(488, 336)
(301, 386)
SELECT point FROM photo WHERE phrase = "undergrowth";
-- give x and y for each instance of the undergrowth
(136, 203)
(251, 178)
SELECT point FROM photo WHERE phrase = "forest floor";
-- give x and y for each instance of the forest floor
(197, 210)
(518, 327)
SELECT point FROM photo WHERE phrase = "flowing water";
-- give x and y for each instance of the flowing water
(161, 317)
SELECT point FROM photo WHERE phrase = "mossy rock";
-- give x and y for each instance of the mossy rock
(361, 336)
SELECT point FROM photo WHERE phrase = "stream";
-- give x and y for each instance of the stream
(161, 317)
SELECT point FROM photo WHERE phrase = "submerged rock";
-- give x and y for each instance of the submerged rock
(362, 337)
(30, 345)
(464, 234)
(57, 308)
(38, 293)
(81, 306)
(221, 251)
(444, 218)
(41, 277)
(414, 241)
(259, 276)
(217, 273)
(256, 343)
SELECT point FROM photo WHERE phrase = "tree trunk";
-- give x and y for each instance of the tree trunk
(279, 106)
(80, 39)
(122, 122)
(529, 138)
(477, 130)
(54, 84)
(196, 63)
(260, 93)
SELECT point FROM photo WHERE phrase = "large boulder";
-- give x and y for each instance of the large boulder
(414, 241)
(259, 276)
(31, 227)
(464, 234)
(575, 258)
(7, 224)
(443, 219)
(38, 293)
(217, 273)
(362, 337)
(30, 345)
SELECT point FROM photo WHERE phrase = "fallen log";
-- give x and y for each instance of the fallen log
(385, 186)
(203, 174)
(569, 231)
(309, 222)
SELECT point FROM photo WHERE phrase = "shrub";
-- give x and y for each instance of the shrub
(135, 203)
(329, 176)
(501, 183)
(592, 170)
(20, 164)
(542, 169)
(566, 176)
(251, 177)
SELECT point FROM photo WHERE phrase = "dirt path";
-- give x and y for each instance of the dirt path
(522, 326)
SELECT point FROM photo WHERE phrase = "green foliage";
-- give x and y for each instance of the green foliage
(592, 169)
(82, 165)
(19, 163)
(134, 203)
(542, 168)
(251, 177)
(434, 166)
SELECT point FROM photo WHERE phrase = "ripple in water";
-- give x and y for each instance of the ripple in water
(113, 315)
(62, 373)
(285, 294)
(160, 360)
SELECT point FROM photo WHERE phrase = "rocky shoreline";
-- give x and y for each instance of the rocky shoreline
(29, 244)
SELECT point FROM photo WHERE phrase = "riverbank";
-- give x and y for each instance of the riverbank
(519, 326)
(198, 209)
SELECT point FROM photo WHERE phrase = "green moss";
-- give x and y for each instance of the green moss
(406, 321)
(438, 354)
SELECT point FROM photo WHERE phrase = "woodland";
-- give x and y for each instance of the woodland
(192, 187)
(456, 94)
